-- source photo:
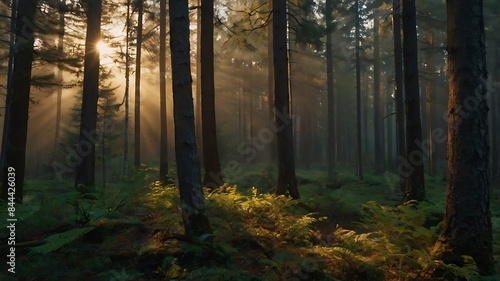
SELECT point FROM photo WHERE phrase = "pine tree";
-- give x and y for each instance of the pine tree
(85, 169)
(213, 174)
(287, 182)
(467, 226)
(194, 215)
(415, 189)
(12, 161)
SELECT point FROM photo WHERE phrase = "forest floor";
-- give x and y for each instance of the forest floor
(131, 229)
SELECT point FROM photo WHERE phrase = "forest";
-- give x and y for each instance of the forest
(341, 140)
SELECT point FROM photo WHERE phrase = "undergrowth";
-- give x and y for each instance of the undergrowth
(137, 234)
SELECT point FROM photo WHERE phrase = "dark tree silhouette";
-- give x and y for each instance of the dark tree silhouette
(127, 87)
(213, 175)
(85, 168)
(137, 101)
(270, 82)
(378, 118)
(359, 170)
(467, 221)
(188, 165)
(398, 92)
(415, 189)
(60, 51)
(287, 182)
(18, 100)
(430, 108)
(163, 92)
(330, 90)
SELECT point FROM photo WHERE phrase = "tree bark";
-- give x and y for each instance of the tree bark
(163, 92)
(377, 104)
(137, 100)
(198, 104)
(398, 94)
(495, 101)
(213, 174)
(85, 168)
(358, 97)
(18, 100)
(389, 102)
(8, 101)
(127, 86)
(287, 182)
(188, 165)
(467, 221)
(60, 51)
(415, 189)
(330, 146)
(270, 85)
(306, 136)
(430, 89)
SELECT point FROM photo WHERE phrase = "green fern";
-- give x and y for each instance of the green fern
(56, 241)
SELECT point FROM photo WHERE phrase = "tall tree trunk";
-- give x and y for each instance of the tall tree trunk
(430, 89)
(358, 97)
(241, 134)
(287, 182)
(18, 100)
(251, 98)
(291, 51)
(198, 104)
(389, 125)
(423, 94)
(330, 146)
(60, 51)
(8, 100)
(194, 214)
(270, 83)
(467, 222)
(365, 110)
(137, 101)
(377, 104)
(213, 174)
(127, 85)
(306, 128)
(398, 94)
(85, 168)
(415, 189)
(163, 92)
(495, 106)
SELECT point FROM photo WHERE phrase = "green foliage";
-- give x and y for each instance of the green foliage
(281, 266)
(265, 215)
(218, 274)
(349, 266)
(265, 180)
(397, 242)
(82, 205)
(402, 225)
(135, 233)
(120, 275)
(56, 241)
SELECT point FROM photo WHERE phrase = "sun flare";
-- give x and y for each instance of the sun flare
(103, 48)
(105, 52)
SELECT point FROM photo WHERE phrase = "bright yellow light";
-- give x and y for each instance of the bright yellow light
(104, 48)
(105, 52)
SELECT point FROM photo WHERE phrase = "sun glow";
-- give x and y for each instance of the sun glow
(106, 52)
